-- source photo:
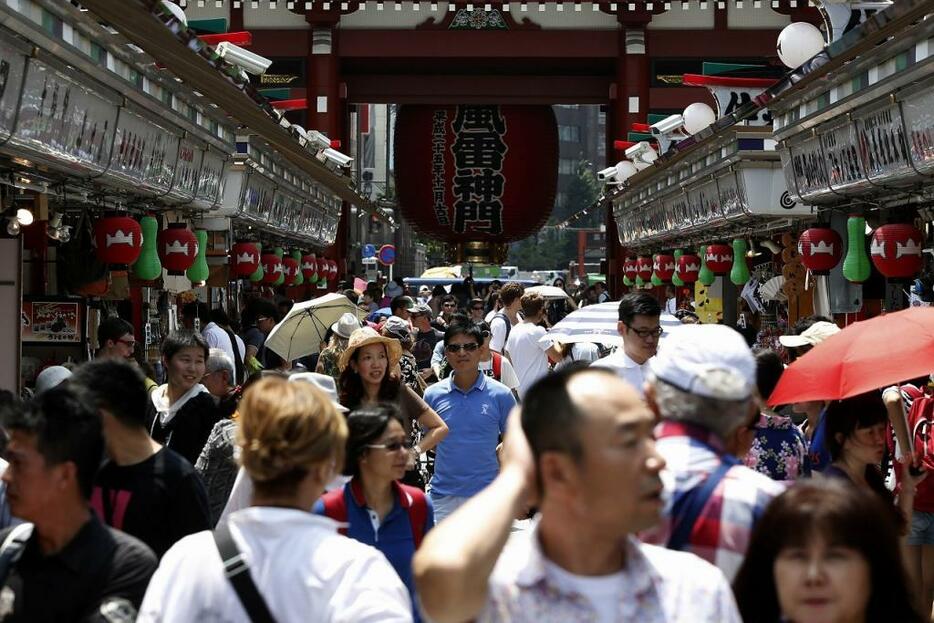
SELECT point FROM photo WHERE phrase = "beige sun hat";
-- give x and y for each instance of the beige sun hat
(365, 337)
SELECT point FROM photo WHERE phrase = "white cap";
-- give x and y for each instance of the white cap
(345, 325)
(50, 377)
(323, 382)
(706, 360)
(812, 336)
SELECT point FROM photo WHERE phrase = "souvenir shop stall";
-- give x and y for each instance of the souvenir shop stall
(798, 196)
(126, 190)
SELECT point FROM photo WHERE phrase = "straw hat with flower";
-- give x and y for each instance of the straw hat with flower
(365, 337)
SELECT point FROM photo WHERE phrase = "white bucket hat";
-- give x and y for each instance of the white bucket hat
(346, 325)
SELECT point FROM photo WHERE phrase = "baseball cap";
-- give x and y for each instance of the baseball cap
(706, 360)
(324, 382)
(407, 301)
(812, 336)
(420, 308)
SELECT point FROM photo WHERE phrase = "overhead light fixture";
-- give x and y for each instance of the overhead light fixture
(58, 231)
(753, 251)
(771, 246)
(24, 216)
(12, 226)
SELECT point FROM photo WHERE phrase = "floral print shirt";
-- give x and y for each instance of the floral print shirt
(779, 449)
(658, 586)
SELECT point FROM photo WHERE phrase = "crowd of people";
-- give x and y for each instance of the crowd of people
(450, 462)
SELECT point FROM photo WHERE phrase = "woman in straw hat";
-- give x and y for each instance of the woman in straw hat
(292, 439)
(367, 378)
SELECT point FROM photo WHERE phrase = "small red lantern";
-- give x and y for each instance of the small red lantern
(310, 267)
(119, 240)
(688, 268)
(820, 248)
(178, 248)
(324, 268)
(644, 268)
(332, 269)
(272, 267)
(245, 259)
(896, 250)
(664, 266)
(290, 270)
(629, 269)
(719, 258)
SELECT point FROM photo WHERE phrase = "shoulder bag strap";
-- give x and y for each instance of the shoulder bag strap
(238, 360)
(238, 572)
(688, 507)
(12, 549)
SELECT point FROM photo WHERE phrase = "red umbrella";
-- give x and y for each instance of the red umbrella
(866, 355)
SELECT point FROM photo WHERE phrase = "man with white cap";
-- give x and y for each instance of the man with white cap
(810, 332)
(701, 385)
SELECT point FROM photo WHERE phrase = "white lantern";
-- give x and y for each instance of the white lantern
(698, 116)
(176, 11)
(798, 43)
(624, 170)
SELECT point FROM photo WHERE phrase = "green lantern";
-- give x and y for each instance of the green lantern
(639, 282)
(148, 266)
(299, 277)
(280, 252)
(628, 282)
(199, 271)
(705, 276)
(656, 280)
(856, 266)
(257, 276)
(675, 279)
(739, 274)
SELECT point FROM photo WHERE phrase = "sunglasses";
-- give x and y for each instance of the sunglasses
(392, 446)
(456, 348)
(448, 305)
(477, 308)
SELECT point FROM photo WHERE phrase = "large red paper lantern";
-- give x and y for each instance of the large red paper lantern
(664, 266)
(310, 267)
(895, 250)
(178, 248)
(719, 258)
(644, 268)
(476, 173)
(629, 269)
(688, 268)
(119, 240)
(272, 267)
(245, 259)
(290, 269)
(820, 248)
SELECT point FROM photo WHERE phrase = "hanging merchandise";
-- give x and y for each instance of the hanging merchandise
(118, 239)
(148, 266)
(245, 256)
(310, 267)
(705, 276)
(820, 249)
(271, 267)
(644, 269)
(739, 273)
(299, 276)
(281, 279)
(199, 271)
(629, 272)
(289, 270)
(259, 274)
(177, 248)
(664, 268)
(675, 279)
(895, 250)
(719, 258)
(856, 264)
(688, 268)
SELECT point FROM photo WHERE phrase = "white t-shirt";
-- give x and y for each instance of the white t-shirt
(588, 352)
(302, 567)
(671, 306)
(604, 592)
(498, 333)
(527, 354)
(507, 374)
(218, 338)
(625, 368)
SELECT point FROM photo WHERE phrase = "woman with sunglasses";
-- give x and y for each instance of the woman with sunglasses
(378, 509)
(370, 375)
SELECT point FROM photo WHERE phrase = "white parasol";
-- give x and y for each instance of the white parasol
(597, 324)
(303, 329)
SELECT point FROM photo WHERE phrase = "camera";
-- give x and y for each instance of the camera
(334, 159)
(318, 140)
(607, 175)
(669, 130)
(642, 155)
(246, 60)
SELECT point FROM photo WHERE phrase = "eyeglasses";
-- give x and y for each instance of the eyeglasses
(448, 305)
(456, 348)
(647, 333)
(130, 343)
(392, 446)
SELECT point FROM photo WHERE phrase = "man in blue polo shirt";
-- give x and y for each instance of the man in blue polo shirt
(475, 408)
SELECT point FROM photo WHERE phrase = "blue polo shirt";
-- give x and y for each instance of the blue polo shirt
(465, 461)
(394, 537)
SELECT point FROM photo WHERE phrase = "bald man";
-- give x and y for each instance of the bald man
(585, 452)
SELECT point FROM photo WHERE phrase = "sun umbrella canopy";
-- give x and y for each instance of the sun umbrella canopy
(549, 292)
(379, 314)
(865, 356)
(597, 324)
(303, 329)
